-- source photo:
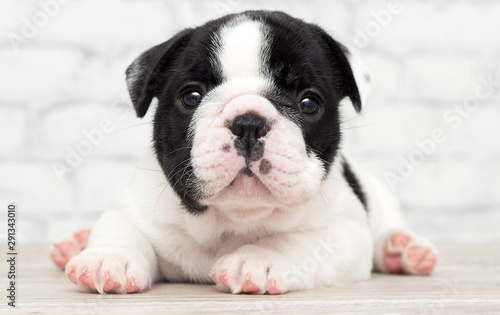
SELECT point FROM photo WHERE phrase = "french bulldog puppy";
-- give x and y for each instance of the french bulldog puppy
(245, 185)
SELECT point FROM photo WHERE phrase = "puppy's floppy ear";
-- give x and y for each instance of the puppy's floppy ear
(148, 72)
(339, 56)
(362, 75)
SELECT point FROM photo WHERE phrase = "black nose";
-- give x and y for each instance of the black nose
(249, 128)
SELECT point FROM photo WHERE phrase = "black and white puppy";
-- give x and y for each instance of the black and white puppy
(253, 193)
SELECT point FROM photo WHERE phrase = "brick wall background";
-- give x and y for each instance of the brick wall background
(62, 69)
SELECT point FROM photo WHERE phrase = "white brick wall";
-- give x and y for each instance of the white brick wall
(12, 123)
(69, 77)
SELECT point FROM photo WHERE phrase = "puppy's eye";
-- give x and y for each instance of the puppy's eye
(309, 106)
(191, 99)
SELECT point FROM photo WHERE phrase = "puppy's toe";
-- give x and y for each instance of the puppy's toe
(82, 237)
(393, 262)
(248, 285)
(398, 241)
(403, 252)
(109, 270)
(62, 251)
(250, 270)
(57, 257)
(419, 257)
(394, 245)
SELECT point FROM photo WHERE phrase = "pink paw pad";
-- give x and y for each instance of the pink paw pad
(249, 286)
(392, 251)
(72, 276)
(273, 290)
(213, 275)
(223, 279)
(63, 251)
(132, 286)
(82, 237)
(251, 270)
(110, 284)
(110, 270)
(404, 253)
(421, 259)
(400, 240)
(86, 279)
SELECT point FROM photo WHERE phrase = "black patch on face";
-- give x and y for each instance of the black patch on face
(353, 182)
(265, 167)
(193, 68)
(303, 60)
(306, 62)
(184, 63)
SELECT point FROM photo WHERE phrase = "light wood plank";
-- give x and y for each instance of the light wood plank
(467, 280)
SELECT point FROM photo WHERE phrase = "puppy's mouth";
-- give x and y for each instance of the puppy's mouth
(246, 185)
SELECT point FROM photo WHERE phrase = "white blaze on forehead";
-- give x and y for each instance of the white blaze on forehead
(240, 53)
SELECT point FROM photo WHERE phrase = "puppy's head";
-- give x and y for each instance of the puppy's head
(247, 113)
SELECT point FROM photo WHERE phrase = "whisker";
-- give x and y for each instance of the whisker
(361, 115)
(136, 125)
(321, 159)
(356, 127)
(348, 120)
(188, 184)
(176, 150)
(178, 165)
(185, 168)
(323, 199)
(158, 200)
(147, 169)
(177, 172)
(159, 185)
(336, 179)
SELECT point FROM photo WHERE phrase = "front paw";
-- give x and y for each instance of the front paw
(110, 269)
(251, 269)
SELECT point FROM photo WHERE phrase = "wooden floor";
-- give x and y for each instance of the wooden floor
(467, 281)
